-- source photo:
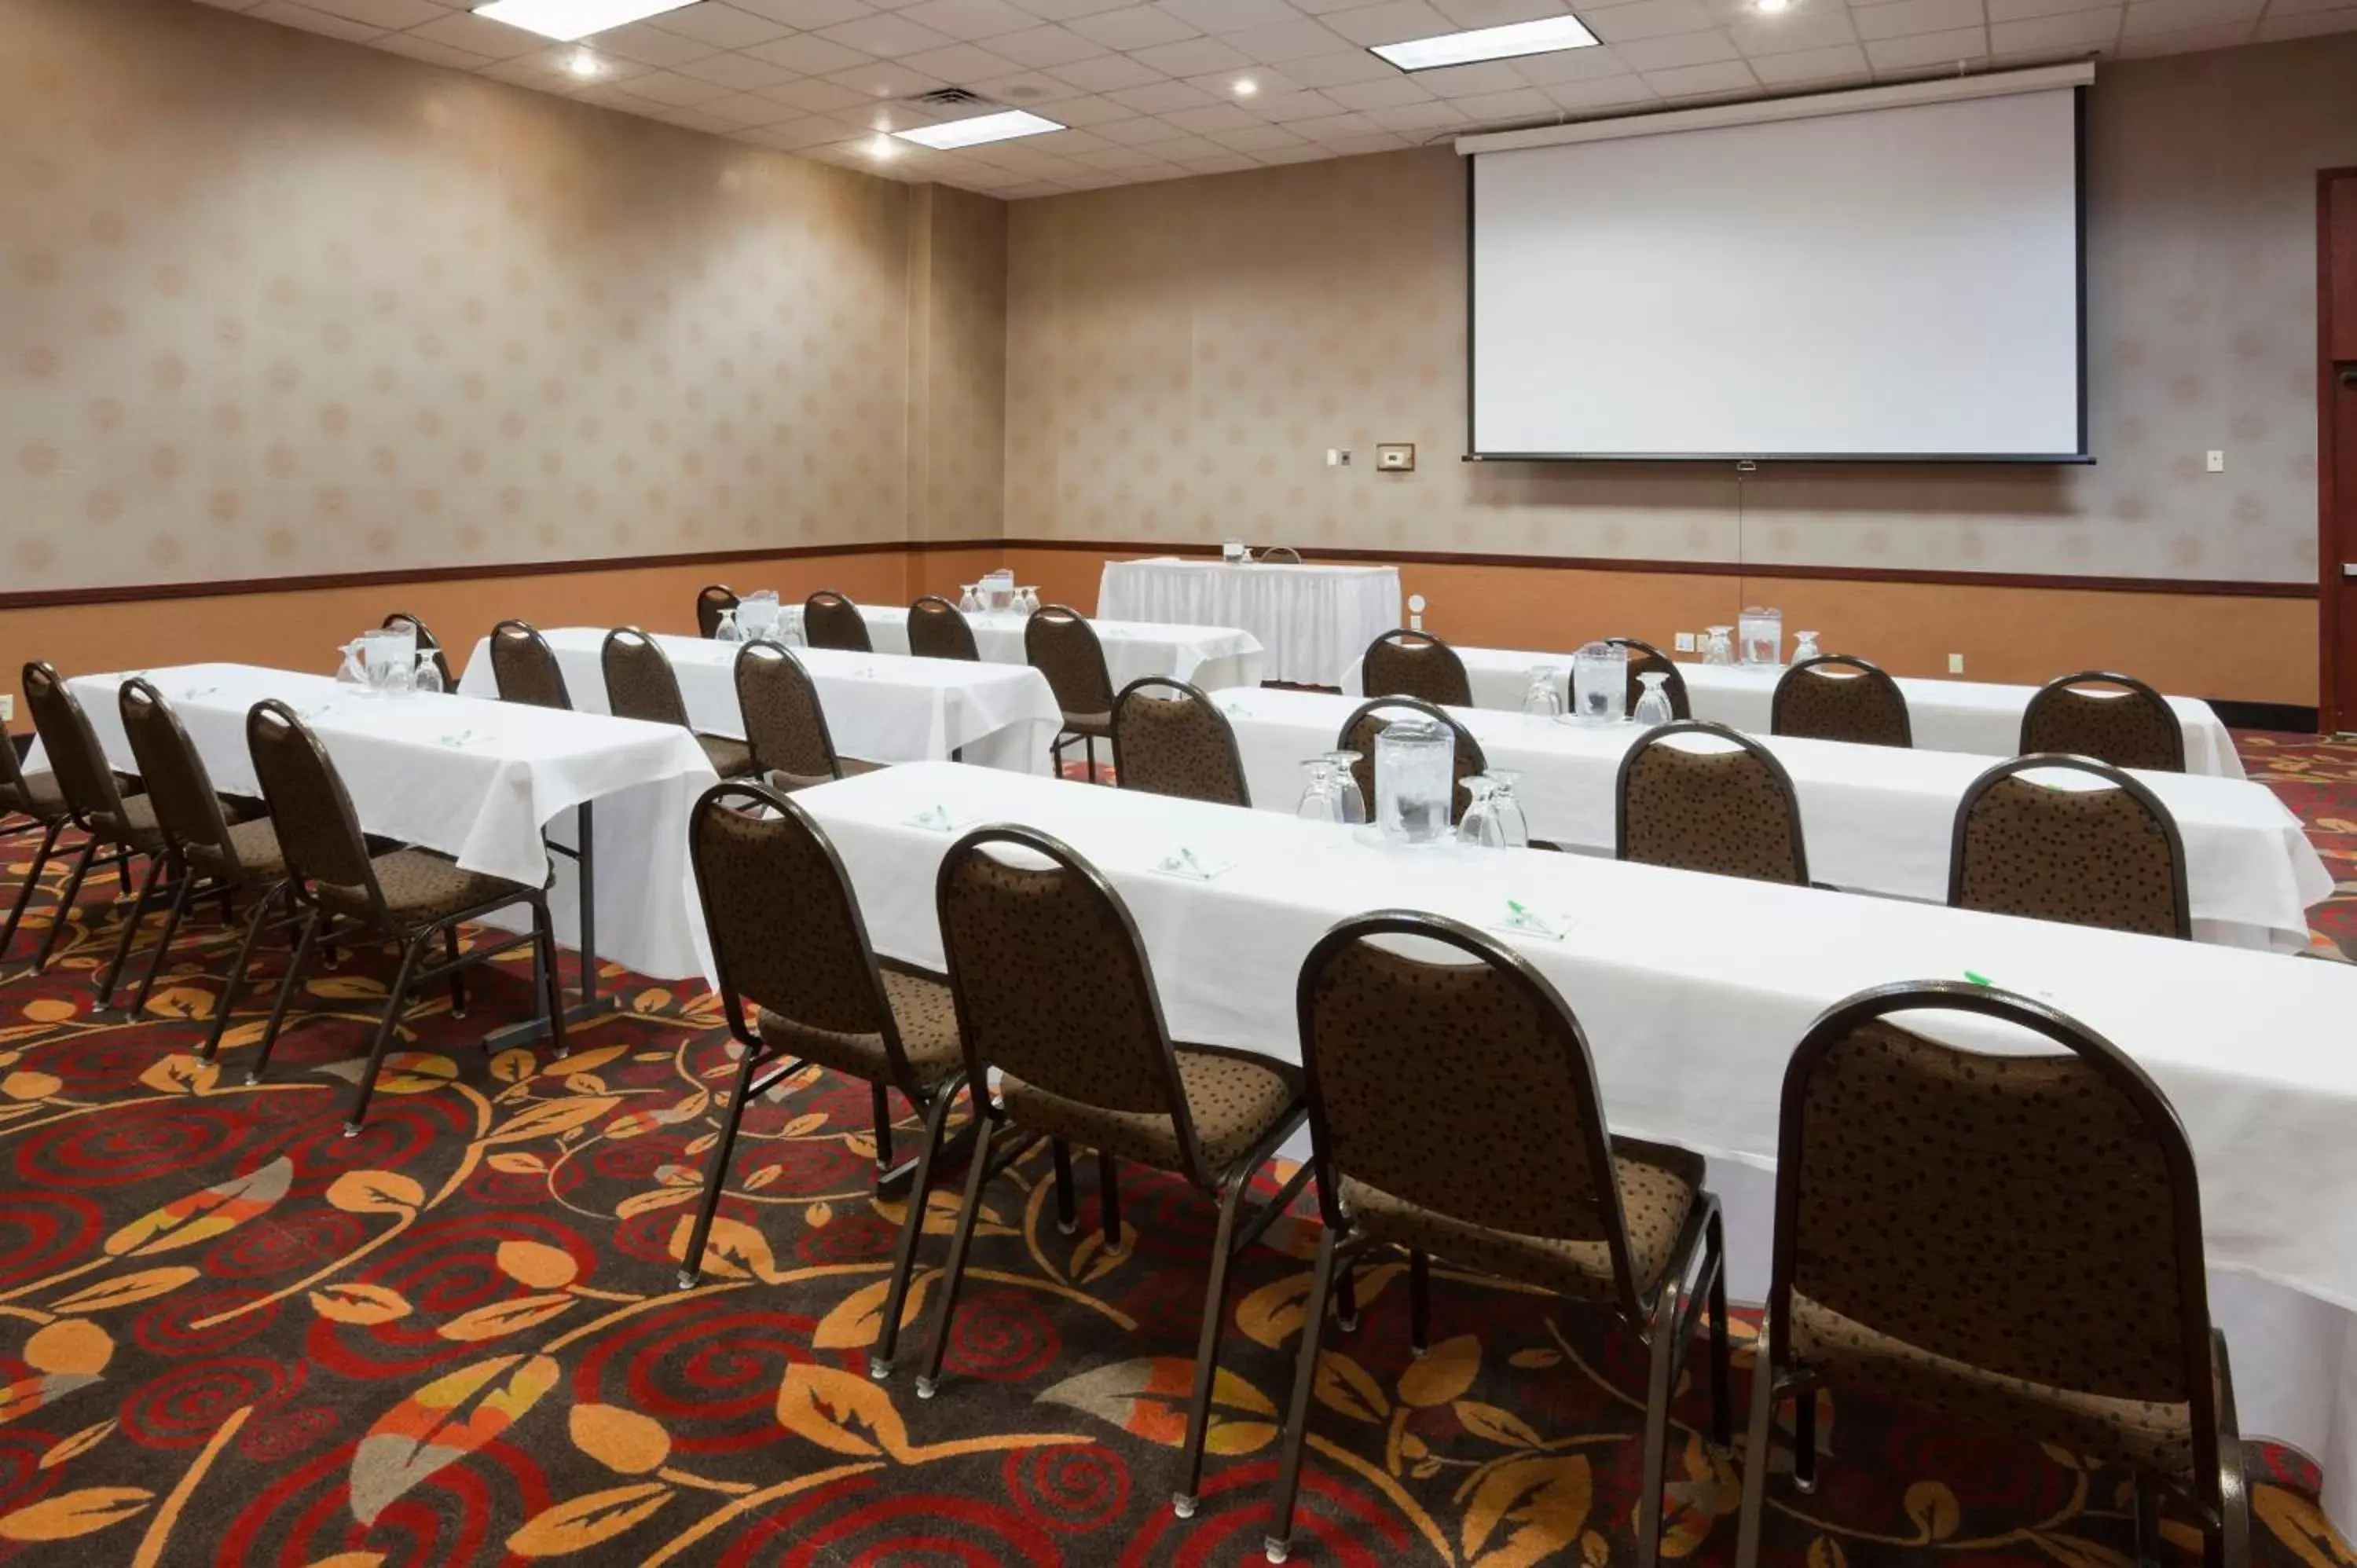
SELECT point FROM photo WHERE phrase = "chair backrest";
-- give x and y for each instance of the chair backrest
(1644, 660)
(784, 921)
(1401, 663)
(1281, 556)
(1460, 1083)
(1836, 697)
(1730, 812)
(2109, 856)
(319, 832)
(2113, 718)
(526, 667)
(937, 629)
(1169, 738)
(1367, 722)
(640, 681)
(831, 620)
(712, 601)
(1058, 642)
(77, 761)
(2033, 1216)
(784, 724)
(1051, 980)
(179, 786)
(426, 643)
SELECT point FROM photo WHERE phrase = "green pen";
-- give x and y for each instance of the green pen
(1979, 979)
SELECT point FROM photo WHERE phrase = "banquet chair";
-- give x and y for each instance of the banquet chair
(1732, 812)
(426, 643)
(1060, 644)
(831, 620)
(937, 629)
(2113, 718)
(1454, 1112)
(641, 684)
(2110, 857)
(29, 804)
(787, 937)
(1359, 732)
(2010, 1242)
(784, 723)
(1169, 738)
(526, 667)
(1054, 992)
(1836, 697)
(208, 849)
(110, 820)
(406, 896)
(1644, 660)
(1402, 663)
(712, 601)
(1280, 555)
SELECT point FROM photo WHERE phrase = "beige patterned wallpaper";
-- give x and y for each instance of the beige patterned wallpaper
(1180, 355)
(272, 305)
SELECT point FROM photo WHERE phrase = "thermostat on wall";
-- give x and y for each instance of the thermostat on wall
(1395, 456)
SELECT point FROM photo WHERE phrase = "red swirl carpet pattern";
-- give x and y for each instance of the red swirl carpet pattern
(230, 1335)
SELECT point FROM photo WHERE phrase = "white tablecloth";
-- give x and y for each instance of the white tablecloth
(1694, 989)
(880, 707)
(477, 780)
(1207, 656)
(1314, 621)
(1875, 818)
(1976, 716)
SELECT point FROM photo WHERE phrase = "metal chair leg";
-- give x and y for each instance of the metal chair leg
(912, 1225)
(1207, 1346)
(172, 917)
(64, 911)
(1804, 1442)
(458, 976)
(879, 1101)
(235, 983)
(1109, 1200)
(32, 880)
(1279, 1541)
(1346, 1299)
(1419, 1303)
(287, 987)
(1756, 1450)
(954, 1273)
(2148, 1519)
(396, 1003)
(1722, 1378)
(715, 1170)
(2233, 1536)
(1663, 1337)
(1068, 1209)
(543, 927)
(103, 987)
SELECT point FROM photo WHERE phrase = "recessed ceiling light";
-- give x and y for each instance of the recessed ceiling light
(584, 64)
(566, 20)
(1000, 127)
(1771, 7)
(1245, 87)
(882, 146)
(1543, 37)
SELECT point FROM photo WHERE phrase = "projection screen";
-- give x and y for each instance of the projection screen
(1880, 285)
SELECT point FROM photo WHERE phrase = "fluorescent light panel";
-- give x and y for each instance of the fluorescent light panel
(1545, 35)
(1002, 127)
(566, 20)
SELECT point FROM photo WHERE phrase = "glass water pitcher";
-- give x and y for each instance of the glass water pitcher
(1415, 779)
(1761, 635)
(1600, 683)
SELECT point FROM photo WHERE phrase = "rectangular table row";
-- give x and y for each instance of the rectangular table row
(1978, 716)
(1693, 991)
(1312, 622)
(1205, 656)
(1877, 819)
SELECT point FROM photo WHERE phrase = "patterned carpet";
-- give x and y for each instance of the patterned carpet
(228, 1335)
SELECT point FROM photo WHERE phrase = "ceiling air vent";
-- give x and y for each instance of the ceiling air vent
(949, 98)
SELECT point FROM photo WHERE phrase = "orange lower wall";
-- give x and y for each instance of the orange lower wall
(2240, 649)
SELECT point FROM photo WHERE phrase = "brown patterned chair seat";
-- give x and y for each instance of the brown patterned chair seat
(1091, 724)
(38, 798)
(419, 887)
(137, 826)
(1658, 1184)
(729, 758)
(778, 778)
(257, 847)
(2125, 1431)
(1234, 1101)
(925, 1011)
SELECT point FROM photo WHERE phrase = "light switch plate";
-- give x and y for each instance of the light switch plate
(1337, 457)
(2216, 462)
(7, 710)
(1685, 642)
(1395, 456)
(1955, 663)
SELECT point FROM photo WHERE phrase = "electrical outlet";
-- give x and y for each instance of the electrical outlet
(1685, 642)
(1955, 663)
(1337, 457)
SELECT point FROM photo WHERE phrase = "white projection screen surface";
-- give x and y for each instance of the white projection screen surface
(1880, 285)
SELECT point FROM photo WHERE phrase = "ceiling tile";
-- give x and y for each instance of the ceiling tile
(1389, 94)
(1089, 109)
(1334, 69)
(814, 95)
(1465, 81)
(747, 108)
(1282, 108)
(387, 14)
(2069, 30)
(1395, 22)
(426, 49)
(2022, 10)
(1287, 41)
(1831, 63)
(959, 62)
(1267, 82)
(1429, 116)
(1192, 57)
(1050, 45)
(1675, 50)
(1646, 19)
(1162, 97)
(1701, 81)
(1567, 65)
(1795, 30)
(1919, 49)
(1138, 131)
(886, 35)
(1105, 72)
(1327, 127)
(679, 92)
(1489, 108)
(2307, 25)
(1604, 92)
(1230, 15)
(2147, 16)
(461, 31)
(2143, 45)
(1213, 117)
(1065, 10)
(805, 14)
(1133, 28)
(794, 134)
(886, 79)
(288, 14)
(742, 72)
(1025, 88)
(1222, 162)
(721, 26)
(1258, 139)
(638, 41)
(1496, 12)
(810, 55)
(1903, 18)
(967, 20)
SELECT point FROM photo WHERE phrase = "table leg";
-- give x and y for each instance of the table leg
(591, 1006)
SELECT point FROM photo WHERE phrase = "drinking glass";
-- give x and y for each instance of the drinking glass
(1474, 827)
(429, 674)
(967, 603)
(729, 630)
(1320, 801)
(1653, 705)
(1346, 786)
(1718, 648)
(1540, 697)
(1501, 823)
(789, 628)
(1805, 646)
(1027, 601)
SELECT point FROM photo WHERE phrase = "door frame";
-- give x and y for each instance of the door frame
(2332, 703)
